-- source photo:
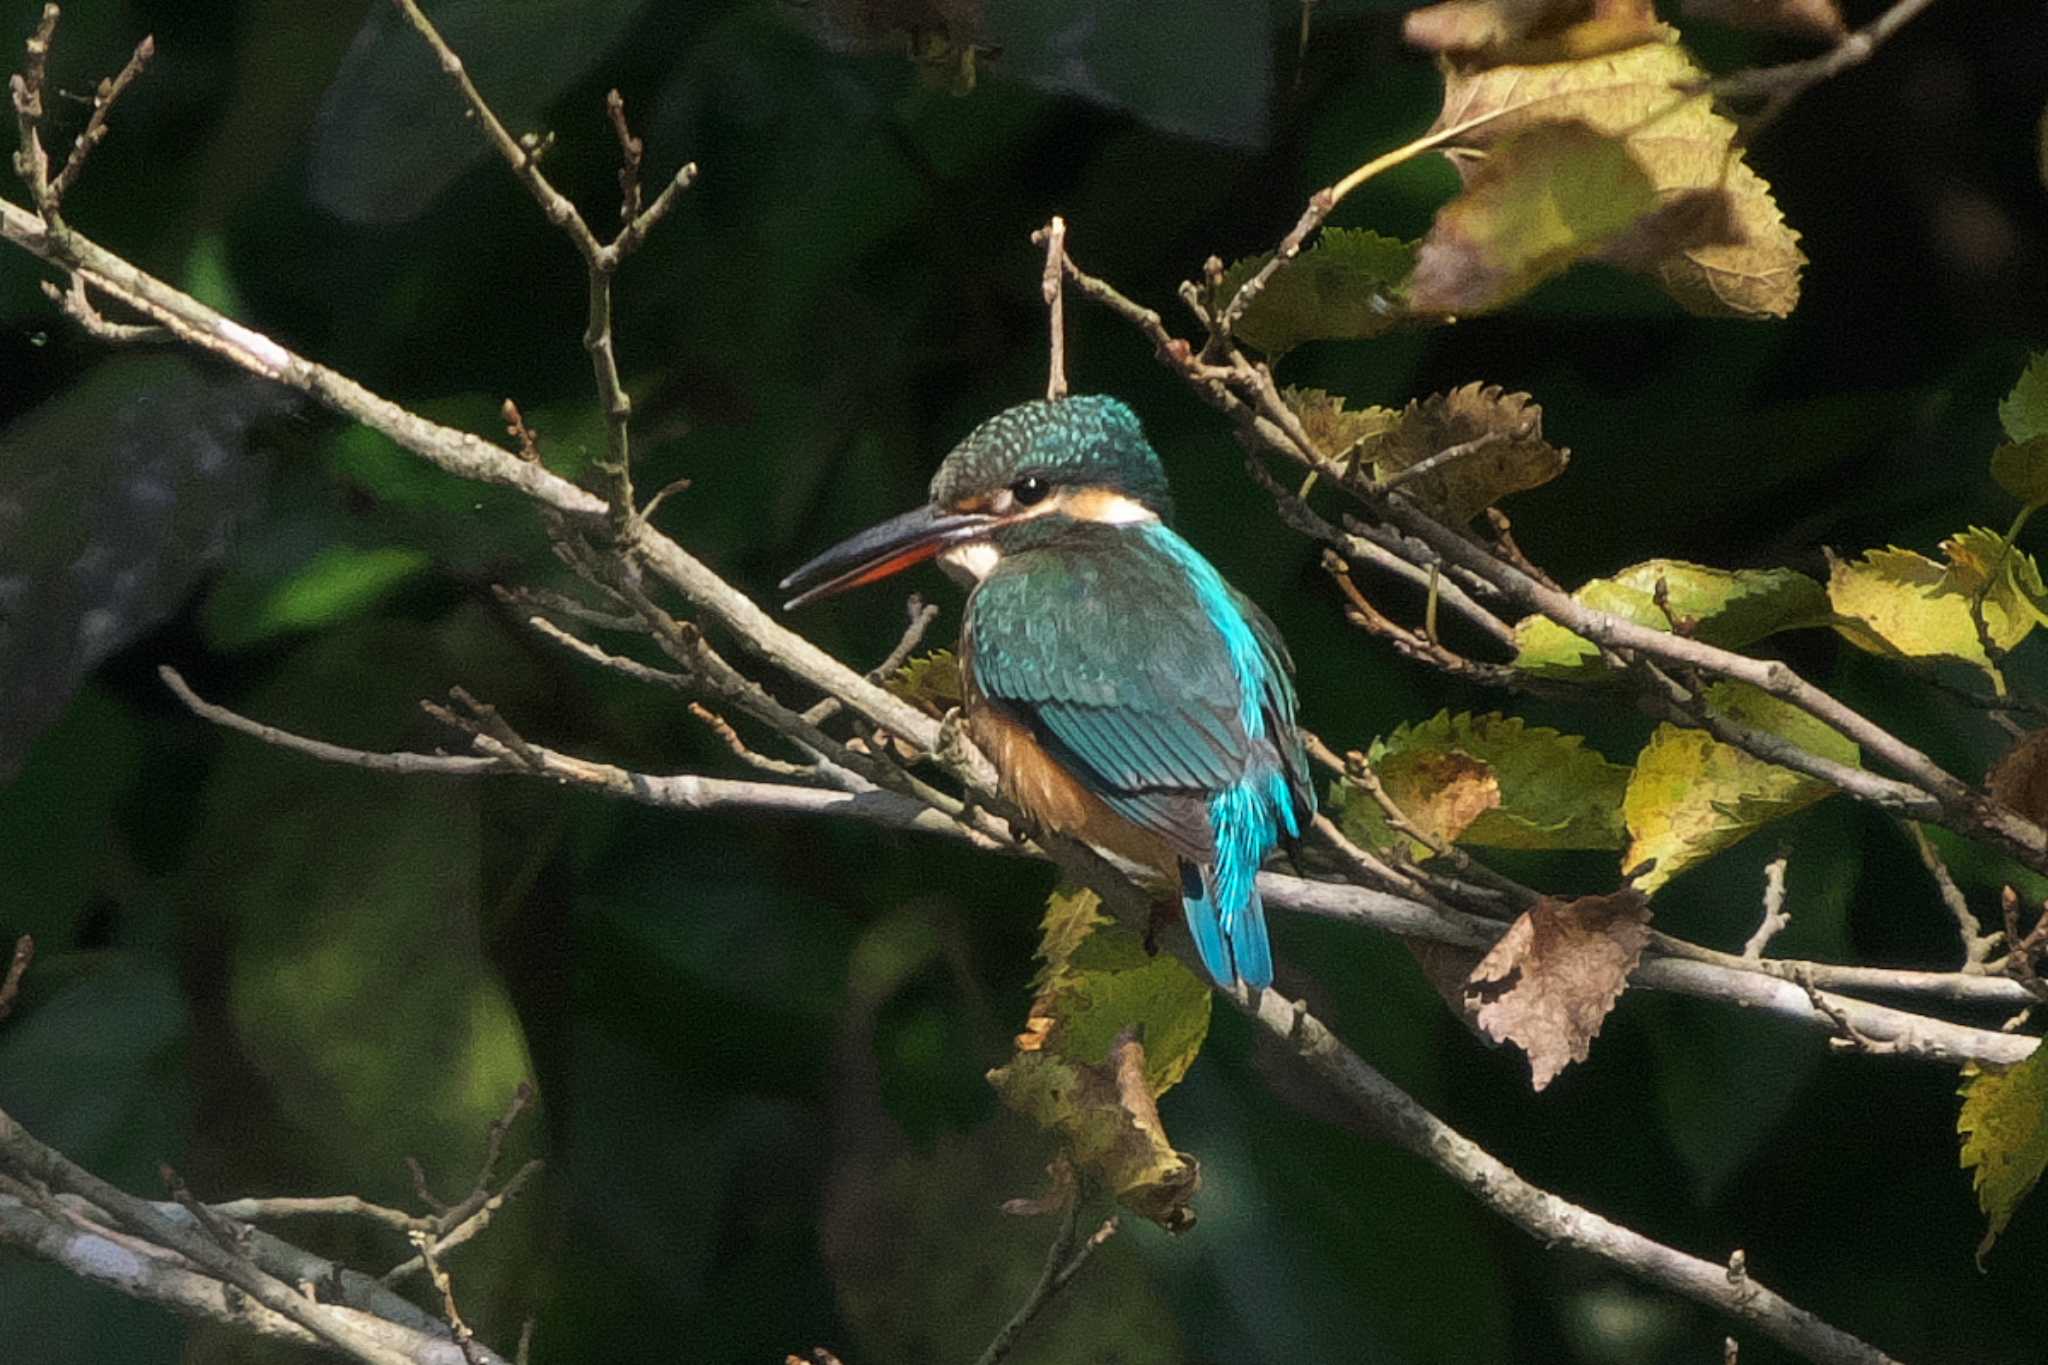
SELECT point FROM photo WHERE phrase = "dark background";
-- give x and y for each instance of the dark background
(759, 1044)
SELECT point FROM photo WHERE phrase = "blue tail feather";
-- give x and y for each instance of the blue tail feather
(1225, 914)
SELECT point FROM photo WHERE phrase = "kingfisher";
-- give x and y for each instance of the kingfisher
(1123, 691)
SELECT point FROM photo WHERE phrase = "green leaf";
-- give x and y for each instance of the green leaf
(930, 682)
(1730, 608)
(1553, 792)
(1551, 195)
(338, 583)
(2021, 468)
(2024, 411)
(1691, 796)
(1099, 979)
(1903, 604)
(1340, 289)
(2004, 1127)
(1651, 97)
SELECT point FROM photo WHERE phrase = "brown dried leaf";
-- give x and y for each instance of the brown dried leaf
(1441, 793)
(1820, 20)
(1468, 485)
(2020, 779)
(1480, 33)
(1549, 983)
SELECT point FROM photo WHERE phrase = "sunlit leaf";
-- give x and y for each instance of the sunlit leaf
(1547, 789)
(1549, 983)
(1730, 608)
(1691, 796)
(2024, 412)
(2004, 1127)
(1552, 194)
(1903, 604)
(1340, 288)
(1491, 32)
(1652, 98)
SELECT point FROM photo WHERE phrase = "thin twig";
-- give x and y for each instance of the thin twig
(1054, 238)
(1780, 85)
(1063, 1260)
(96, 126)
(1775, 916)
(17, 967)
(1978, 946)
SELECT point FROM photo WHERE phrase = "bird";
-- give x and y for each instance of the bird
(1123, 691)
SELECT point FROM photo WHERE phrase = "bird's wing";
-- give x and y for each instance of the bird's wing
(1278, 700)
(1124, 679)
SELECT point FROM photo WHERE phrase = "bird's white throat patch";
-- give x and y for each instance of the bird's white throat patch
(973, 561)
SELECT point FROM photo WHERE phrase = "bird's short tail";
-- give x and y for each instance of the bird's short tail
(1231, 937)
(1224, 912)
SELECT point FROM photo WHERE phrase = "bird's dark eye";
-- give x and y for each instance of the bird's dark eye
(1029, 489)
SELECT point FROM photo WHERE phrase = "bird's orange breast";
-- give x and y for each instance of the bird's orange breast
(1052, 796)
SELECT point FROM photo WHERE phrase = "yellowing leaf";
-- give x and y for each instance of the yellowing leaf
(2021, 468)
(1340, 289)
(1552, 791)
(2004, 1127)
(1691, 796)
(1650, 98)
(930, 682)
(1730, 608)
(1903, 604)
(1108, 1120)
(1552, 194)
(1339, 433)
(1079, 1070)
(1549, 983)
(2024, 411)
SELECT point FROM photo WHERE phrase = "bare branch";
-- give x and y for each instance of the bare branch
(1385, 1110)
(1054, 238)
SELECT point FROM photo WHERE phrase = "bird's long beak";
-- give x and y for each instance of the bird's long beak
(879, 551)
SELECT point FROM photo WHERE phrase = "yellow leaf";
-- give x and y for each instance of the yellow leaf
(2004, 1127)
(1650, 98)
(930, 682)
(2021, 468)
(1691, 796)
(1903, 604)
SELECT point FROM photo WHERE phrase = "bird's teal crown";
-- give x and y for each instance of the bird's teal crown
(1087, 441)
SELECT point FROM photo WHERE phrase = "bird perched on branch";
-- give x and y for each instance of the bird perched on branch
(1124, 692)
